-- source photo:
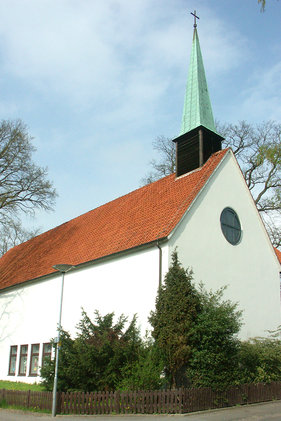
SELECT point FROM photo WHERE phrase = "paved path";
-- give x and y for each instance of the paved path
(270, 411)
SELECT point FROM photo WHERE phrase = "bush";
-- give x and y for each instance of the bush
(95, 359)
(214, 358)
(259, 360)
(146, 373)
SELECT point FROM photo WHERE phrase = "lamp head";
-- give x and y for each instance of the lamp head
(63, 268)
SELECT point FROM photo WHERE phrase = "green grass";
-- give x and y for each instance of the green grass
(20, 386)
(4, 405)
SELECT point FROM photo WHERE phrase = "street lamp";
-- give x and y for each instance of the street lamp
(62, 269)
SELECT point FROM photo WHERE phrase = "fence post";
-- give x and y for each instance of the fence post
(28, 399)
(181, 401)
(186, 400)
(117, 401)
(58, 408)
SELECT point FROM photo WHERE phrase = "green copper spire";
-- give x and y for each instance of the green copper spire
(197, 109)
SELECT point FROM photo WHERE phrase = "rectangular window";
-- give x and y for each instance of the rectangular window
(47, 352)
(13, 360)
(34, 360)
(23, 360)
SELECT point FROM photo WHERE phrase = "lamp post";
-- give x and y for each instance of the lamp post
(62, 269)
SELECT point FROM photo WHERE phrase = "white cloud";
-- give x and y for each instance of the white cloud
(82, 49)
(261, 101)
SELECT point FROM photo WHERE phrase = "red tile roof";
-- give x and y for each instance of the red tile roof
(138, 218)
(278, 254)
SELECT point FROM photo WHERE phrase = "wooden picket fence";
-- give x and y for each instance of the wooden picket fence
(27, 399)
(144, 402)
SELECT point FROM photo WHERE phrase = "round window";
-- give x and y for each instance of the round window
(230, 226)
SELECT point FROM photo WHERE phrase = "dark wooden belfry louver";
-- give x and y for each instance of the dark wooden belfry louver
(194, 148)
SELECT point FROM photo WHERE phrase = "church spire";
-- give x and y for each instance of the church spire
(197, 109)
(198, 139)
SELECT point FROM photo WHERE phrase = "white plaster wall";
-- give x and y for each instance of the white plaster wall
(249, 269)
(29, 315)
(125, 285)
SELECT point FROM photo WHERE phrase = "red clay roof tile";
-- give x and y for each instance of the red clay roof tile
(278, 254)
(138, 218)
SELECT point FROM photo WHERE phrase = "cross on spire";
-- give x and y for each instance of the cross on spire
(195, 17)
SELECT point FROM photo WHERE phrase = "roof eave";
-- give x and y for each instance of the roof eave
(122, 253)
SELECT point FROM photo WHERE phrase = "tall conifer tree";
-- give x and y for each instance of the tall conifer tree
(177, 307)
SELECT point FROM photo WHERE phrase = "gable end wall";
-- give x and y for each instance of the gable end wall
(250, 269)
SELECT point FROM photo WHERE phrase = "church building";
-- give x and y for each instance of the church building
(121, 251)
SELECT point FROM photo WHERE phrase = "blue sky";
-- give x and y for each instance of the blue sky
(96, 81)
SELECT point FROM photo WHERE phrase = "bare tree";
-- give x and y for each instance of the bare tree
(167, 162)
(273, 226)
(23, 185)
(262, 3)
(12, 233)
(258, 151)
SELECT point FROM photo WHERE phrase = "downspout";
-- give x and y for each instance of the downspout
(160, 264)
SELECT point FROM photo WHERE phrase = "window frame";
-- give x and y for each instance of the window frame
(229, 229)
(10, 360)
(34, 354)
(22, 356)
(46, 354)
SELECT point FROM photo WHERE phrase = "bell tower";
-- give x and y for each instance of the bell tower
(198, 139)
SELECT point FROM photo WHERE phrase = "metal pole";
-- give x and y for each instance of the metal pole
(54, 405)
(160, 265)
